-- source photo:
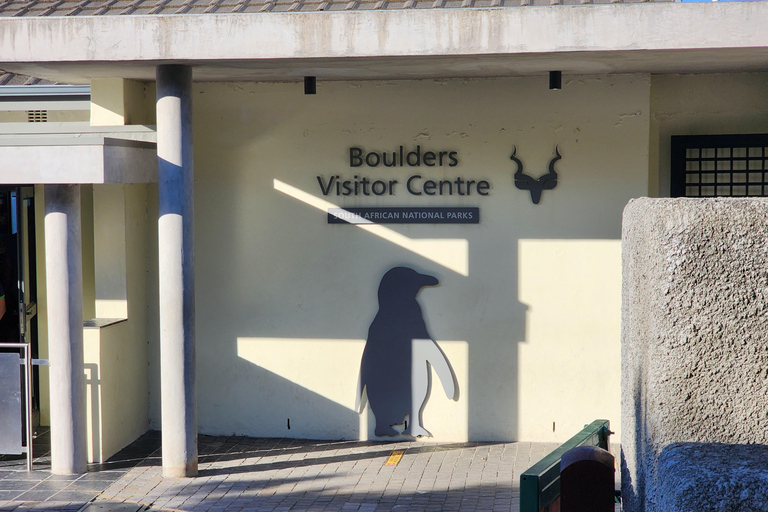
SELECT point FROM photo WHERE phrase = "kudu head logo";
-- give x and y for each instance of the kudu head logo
(535, 186)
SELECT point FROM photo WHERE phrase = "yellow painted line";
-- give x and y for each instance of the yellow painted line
(394, 458)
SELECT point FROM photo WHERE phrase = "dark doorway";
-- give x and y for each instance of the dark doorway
(18, 275)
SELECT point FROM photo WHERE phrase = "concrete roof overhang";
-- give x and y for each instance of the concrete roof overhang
(77, 154)
(403, 44)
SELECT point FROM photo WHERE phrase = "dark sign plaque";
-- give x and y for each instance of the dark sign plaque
(405, 215)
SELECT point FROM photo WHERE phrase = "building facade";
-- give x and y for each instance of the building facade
(225, 297)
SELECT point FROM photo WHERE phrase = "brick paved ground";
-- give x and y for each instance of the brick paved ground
(281, 475)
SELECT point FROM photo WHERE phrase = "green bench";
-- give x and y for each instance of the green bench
(540, 484)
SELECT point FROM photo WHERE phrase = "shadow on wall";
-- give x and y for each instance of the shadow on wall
(313, 292)
(633, 485)
(393, 366)
(282, 411)
(309, 365)
(337, 313)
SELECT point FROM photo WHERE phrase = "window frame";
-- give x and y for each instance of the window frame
(679, 160)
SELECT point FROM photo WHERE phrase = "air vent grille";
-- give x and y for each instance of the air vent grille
(37, 116)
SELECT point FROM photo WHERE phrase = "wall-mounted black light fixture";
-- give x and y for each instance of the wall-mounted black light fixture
(555, 80)
(310, 85)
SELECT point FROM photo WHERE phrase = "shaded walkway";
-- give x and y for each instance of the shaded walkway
(240, 473)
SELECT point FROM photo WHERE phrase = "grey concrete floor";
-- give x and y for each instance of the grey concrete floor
(281, 475)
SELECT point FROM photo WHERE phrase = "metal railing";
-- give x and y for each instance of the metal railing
(540, 484)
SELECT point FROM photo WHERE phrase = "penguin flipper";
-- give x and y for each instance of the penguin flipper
(436, 358)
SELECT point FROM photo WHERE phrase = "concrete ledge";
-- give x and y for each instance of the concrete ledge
(694, 304)
(77, 160)
(102, 323)
(713, 477)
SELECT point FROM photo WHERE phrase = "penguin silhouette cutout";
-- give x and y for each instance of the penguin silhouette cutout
(395, 373)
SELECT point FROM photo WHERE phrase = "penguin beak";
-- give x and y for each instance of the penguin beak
(427, 280)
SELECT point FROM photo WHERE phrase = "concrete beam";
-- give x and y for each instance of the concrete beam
(82, 160)
(176, 272)
(408, 43)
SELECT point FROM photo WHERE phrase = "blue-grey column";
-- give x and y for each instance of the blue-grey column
(64, 284)
(176, 273)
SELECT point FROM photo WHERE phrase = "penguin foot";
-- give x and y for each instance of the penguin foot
(417, 431)
(385, 431)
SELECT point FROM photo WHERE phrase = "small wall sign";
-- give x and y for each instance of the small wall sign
(535, 185)
(405, 215)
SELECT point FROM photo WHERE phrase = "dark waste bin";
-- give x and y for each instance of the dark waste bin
(587, 480)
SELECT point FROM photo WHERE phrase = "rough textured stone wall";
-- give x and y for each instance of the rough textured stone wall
(694, 351)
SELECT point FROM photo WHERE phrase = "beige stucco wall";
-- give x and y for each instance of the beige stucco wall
(52, 116)
(528, 306)
(116, 102)
(527, 309)
(13, 117)
(117, 355)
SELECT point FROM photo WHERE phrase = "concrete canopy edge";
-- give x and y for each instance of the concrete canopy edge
(78, 164)
(576, 39)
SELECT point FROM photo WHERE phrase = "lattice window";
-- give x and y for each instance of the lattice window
(720, 166)
(37, 116)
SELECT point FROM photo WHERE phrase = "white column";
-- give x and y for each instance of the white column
(176, 257)
(64, 276)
